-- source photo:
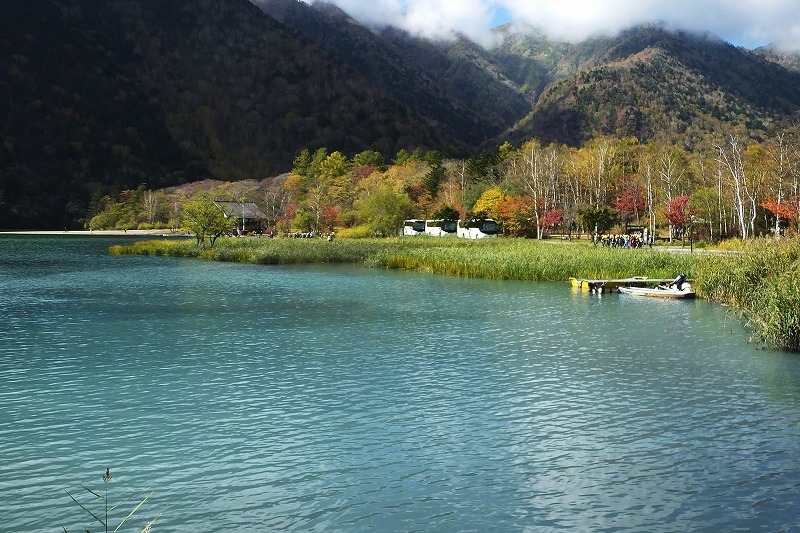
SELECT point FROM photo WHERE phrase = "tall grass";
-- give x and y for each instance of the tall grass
(539, 261)
(266, 251)
(762, 281)
(102, 516)
(761, 278)
(486, 258)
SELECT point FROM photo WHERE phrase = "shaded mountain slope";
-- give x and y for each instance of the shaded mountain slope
(105, 95)
(463, 96)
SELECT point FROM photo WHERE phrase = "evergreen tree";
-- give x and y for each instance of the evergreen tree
(435, 174)
(369, 158)
(302, 163)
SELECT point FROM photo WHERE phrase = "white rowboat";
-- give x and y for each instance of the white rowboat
(659, 292)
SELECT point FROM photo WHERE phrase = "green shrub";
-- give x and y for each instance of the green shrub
(356, 232)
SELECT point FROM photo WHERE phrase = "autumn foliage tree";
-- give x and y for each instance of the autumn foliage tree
(550, 219)
(489, 201)
(516, 215)
(679, 213)
(630, 202)
(783, 210)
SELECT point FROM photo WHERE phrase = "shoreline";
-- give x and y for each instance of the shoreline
(100, 233)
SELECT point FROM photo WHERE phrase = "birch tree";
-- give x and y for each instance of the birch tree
(601, 156)
(671, 169)
(783, 153)
(456, 183)
(731, 159)
(532, 174)
(150, 205)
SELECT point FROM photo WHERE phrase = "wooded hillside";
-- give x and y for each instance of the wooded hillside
(98, 97)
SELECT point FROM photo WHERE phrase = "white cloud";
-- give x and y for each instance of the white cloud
(743, 22)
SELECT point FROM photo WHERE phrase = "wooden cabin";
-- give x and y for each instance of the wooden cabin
(245, 217)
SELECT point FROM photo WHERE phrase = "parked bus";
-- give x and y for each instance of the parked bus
(441, 228)
(414, 227)
(478, 228)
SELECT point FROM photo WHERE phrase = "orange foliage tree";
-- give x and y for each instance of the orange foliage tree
(783, 210)
(516, 215)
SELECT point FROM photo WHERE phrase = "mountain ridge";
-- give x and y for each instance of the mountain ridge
(660, 83)
(99, 96)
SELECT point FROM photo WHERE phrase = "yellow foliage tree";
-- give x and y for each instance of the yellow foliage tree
(489, 201)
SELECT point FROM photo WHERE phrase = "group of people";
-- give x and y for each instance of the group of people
(624, 241)
(311, 235)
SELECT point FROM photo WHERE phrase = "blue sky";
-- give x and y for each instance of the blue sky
(501, 16)
(748, 23)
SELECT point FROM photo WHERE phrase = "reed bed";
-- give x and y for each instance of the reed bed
(486, 258)
(172, 248)
(761, 280)
(268, 251)
(540, 261)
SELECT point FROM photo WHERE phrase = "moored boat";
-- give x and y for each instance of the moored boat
(659, 292)
(678, 288)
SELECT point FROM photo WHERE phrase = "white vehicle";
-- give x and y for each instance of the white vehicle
(478, 228)
(414, 227)
(441, 228)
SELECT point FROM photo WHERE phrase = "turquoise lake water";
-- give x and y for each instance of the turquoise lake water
(338, 398)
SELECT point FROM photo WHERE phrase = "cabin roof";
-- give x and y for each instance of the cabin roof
(240, 209)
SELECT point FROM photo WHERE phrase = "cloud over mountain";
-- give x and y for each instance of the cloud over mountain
(743, 22)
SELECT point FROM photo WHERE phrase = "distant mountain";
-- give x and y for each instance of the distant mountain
(648, 83)
(788, 60)
(98, 96)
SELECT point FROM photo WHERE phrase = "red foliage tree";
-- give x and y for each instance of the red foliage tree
(284, 221)
(678, 211)
(788, 211)
(359, 173)
(551, 218)
(631, 201)
(330, 217)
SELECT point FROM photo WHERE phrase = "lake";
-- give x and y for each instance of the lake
(340, 398)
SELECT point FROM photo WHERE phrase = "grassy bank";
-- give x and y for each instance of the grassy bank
(762, 281)
(519, 259)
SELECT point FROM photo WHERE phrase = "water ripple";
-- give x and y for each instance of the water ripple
(333, 399)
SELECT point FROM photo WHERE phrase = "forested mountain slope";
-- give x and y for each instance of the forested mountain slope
(651, 83)
(435, 79)
(788, 60)
(99, 96)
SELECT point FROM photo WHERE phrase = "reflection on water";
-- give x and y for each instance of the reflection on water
(345, 399)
